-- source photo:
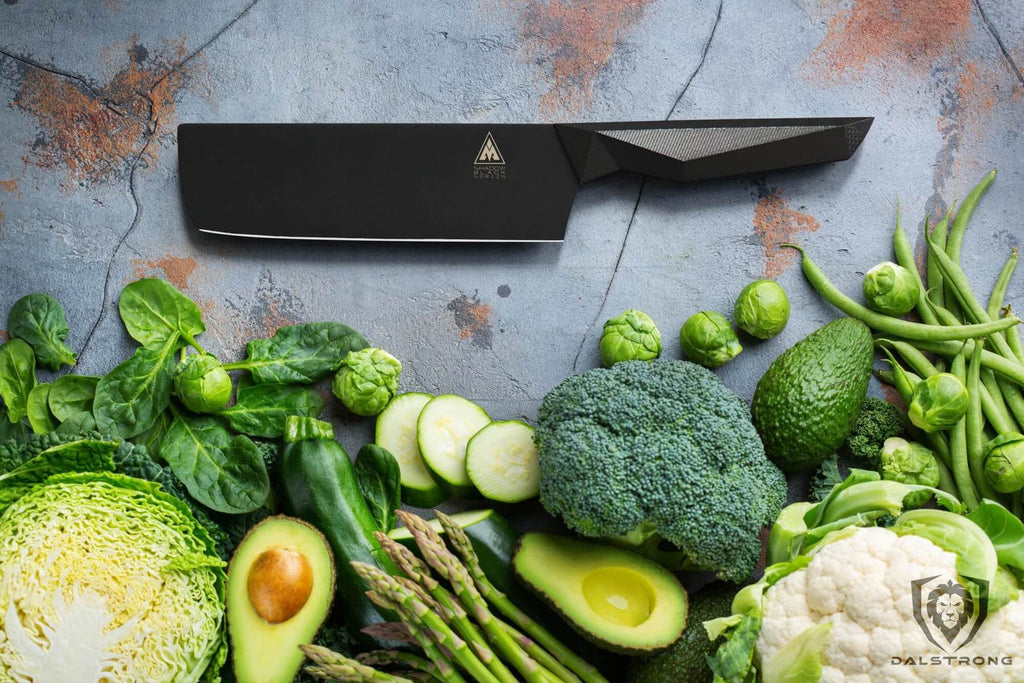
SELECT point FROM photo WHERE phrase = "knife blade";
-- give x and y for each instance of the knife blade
(463, 182)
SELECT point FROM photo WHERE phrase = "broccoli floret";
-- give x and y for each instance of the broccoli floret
(659, 448)
(878, 420)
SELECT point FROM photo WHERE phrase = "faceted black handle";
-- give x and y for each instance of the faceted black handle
(697, 150)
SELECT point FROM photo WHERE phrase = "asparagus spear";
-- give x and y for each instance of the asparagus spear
(449, 568)
(414, 610)
(464, 547)
(396, 658)
(331, 666)
(418, 571)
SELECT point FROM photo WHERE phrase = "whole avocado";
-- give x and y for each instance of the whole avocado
(807, 402)
(686, 659)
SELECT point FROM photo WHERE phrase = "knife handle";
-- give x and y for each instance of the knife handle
(683, 151)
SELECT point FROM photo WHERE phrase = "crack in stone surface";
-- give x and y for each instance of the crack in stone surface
(999, 42)
(56, 71)
(643, 185)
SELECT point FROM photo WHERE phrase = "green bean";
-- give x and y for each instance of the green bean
(905, 257)
(975, 425)
(1015, 402)
(958, 446)
(988, 379)
(958, 280)
(946, 481)
(995, 300)
(954, 243)
(886, 376)
(938, 235)
(1013, 336)
(889, 325)
(945, 316)
(904, 382)
(1012, 370)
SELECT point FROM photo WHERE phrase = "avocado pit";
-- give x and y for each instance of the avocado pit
(279, 584)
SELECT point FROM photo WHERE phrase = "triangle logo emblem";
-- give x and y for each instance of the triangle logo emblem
(489, 152)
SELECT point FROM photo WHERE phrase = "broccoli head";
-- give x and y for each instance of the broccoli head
(659, 448)
(878, 420)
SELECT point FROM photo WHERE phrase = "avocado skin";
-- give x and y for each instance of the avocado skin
(807, 402)
(685, 660)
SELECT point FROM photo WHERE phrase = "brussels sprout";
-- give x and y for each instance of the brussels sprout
(910, 463)
(708, 338)
(1004, 462)
(938, 402)
(630, 336)
(762, 309)
(891, 289)
(367, 380)
(202, 384)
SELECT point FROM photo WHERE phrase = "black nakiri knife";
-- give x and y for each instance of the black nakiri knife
(463, 182)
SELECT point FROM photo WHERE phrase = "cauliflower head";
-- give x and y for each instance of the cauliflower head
(861, 584)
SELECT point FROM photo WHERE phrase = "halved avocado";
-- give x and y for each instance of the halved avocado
(616, 598)
(279, 591)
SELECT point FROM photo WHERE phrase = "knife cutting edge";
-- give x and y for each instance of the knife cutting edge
(463, 182)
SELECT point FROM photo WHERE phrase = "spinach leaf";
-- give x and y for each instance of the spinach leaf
(38, 410)
(261, 409)
(17, 377)
(153, 312)
(132, 395)
(224, 474)
(380, 481)
(79, 423)
(299, 354)
(1004, 529)
(152, 437)
(39, 319)
(71, 395)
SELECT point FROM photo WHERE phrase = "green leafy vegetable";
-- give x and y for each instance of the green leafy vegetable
(39, 319)
(367, 381)
(131, 566)
(261, 409)
(152, 437)
(630, 336)
(300, 354)
(131, 397)
(1004, 530)
(380, 481)
(38, 410)
(708, 338)
(154, 313)
(761, 309)
(17, 377)
(224, 474)
(86, 455)
(1004, 462)
(71, 395)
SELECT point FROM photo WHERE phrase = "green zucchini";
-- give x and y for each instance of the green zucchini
(318, 485)
(396, 433)
(443, 429)
(501, 461)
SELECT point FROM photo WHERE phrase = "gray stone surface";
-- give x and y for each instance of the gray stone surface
(89, 199)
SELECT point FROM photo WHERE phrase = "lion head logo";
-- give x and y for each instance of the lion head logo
(948, 611)
(950, 607)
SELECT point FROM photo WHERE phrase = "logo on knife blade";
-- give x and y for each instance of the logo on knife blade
(489, 163)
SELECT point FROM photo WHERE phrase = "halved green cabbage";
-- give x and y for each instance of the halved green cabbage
(106, 578)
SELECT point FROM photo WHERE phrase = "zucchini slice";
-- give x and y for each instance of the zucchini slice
(501, 461)
(444, 428)
(396, 432)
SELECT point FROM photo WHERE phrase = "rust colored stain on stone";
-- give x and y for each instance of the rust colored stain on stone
(775, 223)
(575, 39)
(5, 335)
(176, 269)
(473, 318)
(11, 187)
(97, 134)
(889, 33)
